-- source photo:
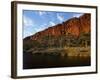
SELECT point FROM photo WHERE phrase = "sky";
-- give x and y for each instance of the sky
(35, 21)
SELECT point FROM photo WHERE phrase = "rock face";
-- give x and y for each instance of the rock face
(74, 26)
(85, 22)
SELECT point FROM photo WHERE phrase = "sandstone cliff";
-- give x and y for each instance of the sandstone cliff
(74, 26)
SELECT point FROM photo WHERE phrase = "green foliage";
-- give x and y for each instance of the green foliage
(84, 39)
(27, 44)
(58, 41)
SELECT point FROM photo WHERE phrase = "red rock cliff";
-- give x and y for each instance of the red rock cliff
(74, 26)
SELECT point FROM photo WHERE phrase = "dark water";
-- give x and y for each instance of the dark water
(33, 61)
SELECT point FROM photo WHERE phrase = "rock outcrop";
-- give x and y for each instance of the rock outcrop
(74, 26)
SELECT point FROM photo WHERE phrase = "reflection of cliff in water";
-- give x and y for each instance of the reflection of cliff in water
(53, 59)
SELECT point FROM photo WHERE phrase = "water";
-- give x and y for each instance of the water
(51, 60)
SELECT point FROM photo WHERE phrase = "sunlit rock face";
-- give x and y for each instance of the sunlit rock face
(74, 26)
(85, 22)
